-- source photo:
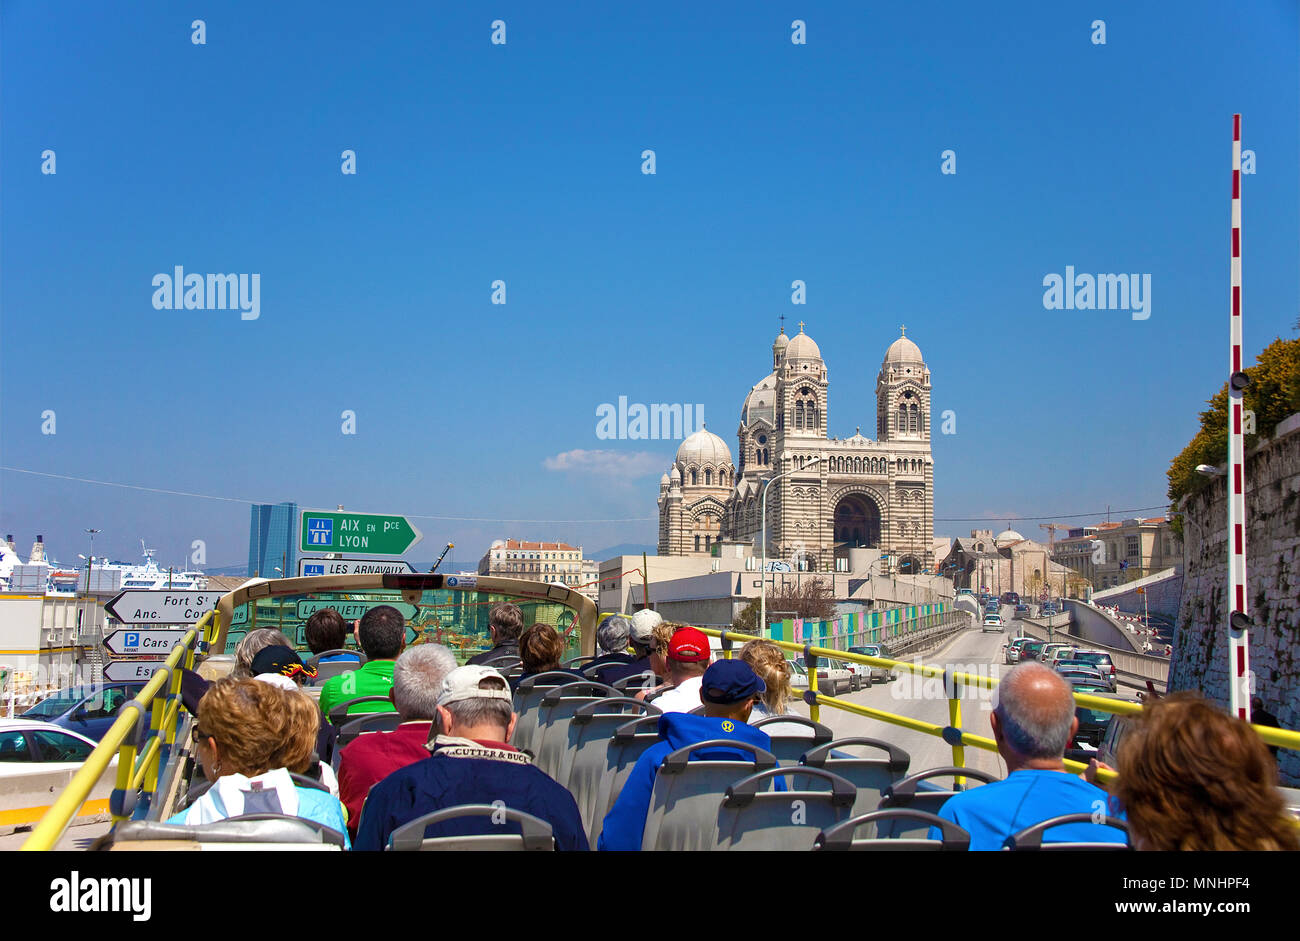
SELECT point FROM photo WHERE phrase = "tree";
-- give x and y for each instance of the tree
(809, 599)
(1274, 393)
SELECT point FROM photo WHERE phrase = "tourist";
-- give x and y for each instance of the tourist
(729, 690)
(369, 758)
(250, 737)
(612, 636)
(472, 763)
(688, 658)
(505, 624)
(540, 650)
(641, 639)
(1033, 722)
(252, 644)
(381, 634)
(768, 661)
(326, 630)
(1192, 777)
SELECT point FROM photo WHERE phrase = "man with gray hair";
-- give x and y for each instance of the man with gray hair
(1033, 723)
(472, 763)
(611, 641)
(369, 758)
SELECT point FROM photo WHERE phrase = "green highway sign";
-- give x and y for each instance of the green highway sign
(374, 533)
(352, 610)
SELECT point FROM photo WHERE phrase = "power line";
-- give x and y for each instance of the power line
(485, 519)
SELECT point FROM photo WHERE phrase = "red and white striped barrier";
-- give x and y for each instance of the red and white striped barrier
(1238, 613)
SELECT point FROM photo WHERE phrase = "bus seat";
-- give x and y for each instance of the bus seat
(504, 662)
(683, 812)
(625, 746)
(374, 722)
(583, 762)
(325, 671)
(871, 776)
(634, 682)
(534, 833)
(254, 831)
(753, 817)
(917, 793)
(528, 700)
(1031, 838)
(842, 836)
(556, 711)
(339, 715)
(788, 744)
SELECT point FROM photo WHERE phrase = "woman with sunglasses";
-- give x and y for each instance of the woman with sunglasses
(249, 737)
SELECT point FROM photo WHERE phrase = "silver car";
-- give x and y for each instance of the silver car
(875, 650)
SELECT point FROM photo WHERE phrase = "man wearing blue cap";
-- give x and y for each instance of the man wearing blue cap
(728, 692)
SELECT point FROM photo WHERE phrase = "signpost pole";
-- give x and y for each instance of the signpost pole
(1238, 381)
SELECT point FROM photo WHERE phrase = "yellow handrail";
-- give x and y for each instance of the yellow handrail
(954, 682)
(131, 773)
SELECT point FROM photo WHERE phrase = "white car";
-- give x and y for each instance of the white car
(27, 746)
(992, 622)
(832, 678)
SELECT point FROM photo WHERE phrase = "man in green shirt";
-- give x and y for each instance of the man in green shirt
(381, 632)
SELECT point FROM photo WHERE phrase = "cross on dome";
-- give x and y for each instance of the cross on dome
(801, 326)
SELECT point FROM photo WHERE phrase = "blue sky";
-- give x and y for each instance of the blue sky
(522, 162)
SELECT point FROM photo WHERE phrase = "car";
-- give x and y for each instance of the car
(1100, 661)
(1045, 654)
(86, 710)
(1084, 673)
(1096, 726)
(1022, 609)
(992, 622)
(28, 745)
(875, 650)
(1030, 649)
(859, 673)
(798, 674)
(1012, 648)
(964, 591)
(1010, 597)
(832, 678)
(1064, 652)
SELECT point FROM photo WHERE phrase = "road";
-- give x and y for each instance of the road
(971, 651)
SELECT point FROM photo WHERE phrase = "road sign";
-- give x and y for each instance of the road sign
(142, 643)
(376, 533)
(118, 671)
(142, 606)
(352, 610)
(354, 567)
(239, 615)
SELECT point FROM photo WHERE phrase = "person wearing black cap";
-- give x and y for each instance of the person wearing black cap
(728, 692)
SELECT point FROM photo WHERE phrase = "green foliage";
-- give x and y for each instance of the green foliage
(1273, 395)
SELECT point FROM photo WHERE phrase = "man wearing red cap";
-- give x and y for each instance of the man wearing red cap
(688, 658)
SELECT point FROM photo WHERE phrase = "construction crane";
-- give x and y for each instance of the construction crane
(1051, 532)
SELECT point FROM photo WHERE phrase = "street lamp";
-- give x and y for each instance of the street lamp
(762, 594)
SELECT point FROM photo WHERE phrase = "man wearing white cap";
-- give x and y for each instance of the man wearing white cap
(472, 763)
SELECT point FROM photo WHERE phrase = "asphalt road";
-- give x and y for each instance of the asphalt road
(971, 651)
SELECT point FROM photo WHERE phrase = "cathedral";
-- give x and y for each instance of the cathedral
(835, 494)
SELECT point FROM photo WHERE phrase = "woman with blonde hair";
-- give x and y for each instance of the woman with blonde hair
(1192, 777)
(768, 661)
(250, 738)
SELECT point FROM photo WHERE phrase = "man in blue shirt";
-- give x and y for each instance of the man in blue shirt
(1033, 723)
(728, 692)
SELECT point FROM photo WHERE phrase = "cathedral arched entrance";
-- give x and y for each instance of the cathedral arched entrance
(856, 523)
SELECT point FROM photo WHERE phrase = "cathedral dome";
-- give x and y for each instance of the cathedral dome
(1008, 536)
(781, 341)
(903, 350)
(760, 403)
(802, 347)
(703, 447)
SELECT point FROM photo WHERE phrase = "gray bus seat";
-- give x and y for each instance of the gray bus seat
(256, 831)
(625, 746)
(339, 715)
(917, 793)
(535, 834)
(1031, 838)
(556, 711)
(528, 699)
(683, 812)
(583, 763)
(843, 836)
(327, 671)
(373, 722)
(870, 775)
(789, 746)
(754, 817)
